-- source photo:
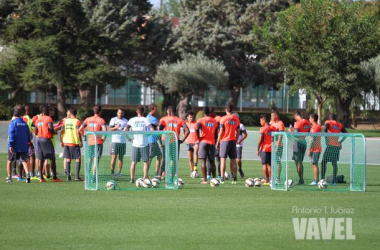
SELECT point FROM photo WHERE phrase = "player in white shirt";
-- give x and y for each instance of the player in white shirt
(118, 146)
(239, 146)
(140, 144)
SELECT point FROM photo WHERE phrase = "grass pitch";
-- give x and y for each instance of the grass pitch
(65, 216)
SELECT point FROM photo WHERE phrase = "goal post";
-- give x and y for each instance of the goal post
(299, 159)
(110, 156)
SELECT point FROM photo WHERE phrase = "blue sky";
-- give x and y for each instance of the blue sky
(155, 3)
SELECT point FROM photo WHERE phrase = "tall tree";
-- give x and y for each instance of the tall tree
(216, 28)
(194, 74)
(320, 44)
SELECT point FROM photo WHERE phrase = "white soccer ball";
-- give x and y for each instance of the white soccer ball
(60, 155)
(139, 182)
(227, 175)
(256, 179)
(214, 182)
(290, 183)
(322, 184)
(147, 183)
(180, 183)
(111, 185)
(194, 174)
(257, 182)
(249, 182)
(156, 183)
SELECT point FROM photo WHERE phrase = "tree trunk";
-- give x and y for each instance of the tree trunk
(87, 97)
(183, 106)
(235, 94)
(170, 99)
(319, 112)
(61, 100)
(343, 110)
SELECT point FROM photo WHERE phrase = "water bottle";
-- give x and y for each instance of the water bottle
(291, 128)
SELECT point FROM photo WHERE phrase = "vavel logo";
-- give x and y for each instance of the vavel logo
(323, 228)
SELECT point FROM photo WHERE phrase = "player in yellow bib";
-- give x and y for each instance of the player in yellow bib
(71, 140)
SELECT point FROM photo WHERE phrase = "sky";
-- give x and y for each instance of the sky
(155, 3)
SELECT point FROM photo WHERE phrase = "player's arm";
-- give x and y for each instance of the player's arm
(237, 133)
(245, 135)
(186, 132)
(114, 127)
(81, 129)
(198, 127)
(128, 128)
(326, 130)
(51, 128)
(343, 130)
(221, 131)
(63, 134)
(79, 134)
(11, 137)
(260, 141)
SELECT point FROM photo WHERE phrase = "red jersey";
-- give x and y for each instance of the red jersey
(303, 126)
(42, 124)
(193, 137)
(266, 131)
(230, 123)
(280, 127)
(333, 127)
(208, 127)
(315, 141)
(172, 123)
(94, 124)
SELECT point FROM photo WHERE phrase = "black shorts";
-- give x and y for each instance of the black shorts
(45, 149)
(239, 153)
(190, 147)
(18, 156)
(299, 149)
(206, 151)
(227, 148)
(138, 153)
(331, 154)
(265, 157)
(71, 152)
(315, 157)
(154, 150)
(91, 151)
(118, 149)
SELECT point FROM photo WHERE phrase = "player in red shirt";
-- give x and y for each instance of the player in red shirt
(227, 136)
(44, 131)
(217, 119)
(264, 148)
(173, 123)
(280, 127)
(206, 130)
(192, 141)
(315, 147)
(299, 148)
(94, 123)
(334, 146)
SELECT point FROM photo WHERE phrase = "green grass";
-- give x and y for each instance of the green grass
(366, 133)
(64, 215)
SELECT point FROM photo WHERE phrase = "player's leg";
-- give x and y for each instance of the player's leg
(113, 159)
(11, 157)
(135, 158)
(67, 156)
(232, 155)
(196, 149)
(264, 165)
(14, 169)
(53, 162)
(23, 158)
(218, 162)
(211, 157)
(19, 169)
(324, 163)
(121, 153)
(223, 156)
(279, 151)
(202, 156)
(190, 155)
(239, 156)
(269, 162)
(145, 159)
(204, 171)
(76, 154)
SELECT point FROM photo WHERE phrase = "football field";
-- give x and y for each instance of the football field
(65, 216)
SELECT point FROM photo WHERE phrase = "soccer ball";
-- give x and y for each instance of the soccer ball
(156, 183)
(180, 183)
(214, 182)
(111, 185)
(290, 183)
(227, 175)
(194, 174)
(147, 183)
(139, 182)
(257, 182)
(249, 182)
(322, 184)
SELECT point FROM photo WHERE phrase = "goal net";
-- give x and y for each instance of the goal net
(301, 160)
(128, 160)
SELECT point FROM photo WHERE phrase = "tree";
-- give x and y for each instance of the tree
(194, 74)
(320, 44)
(218, 30)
